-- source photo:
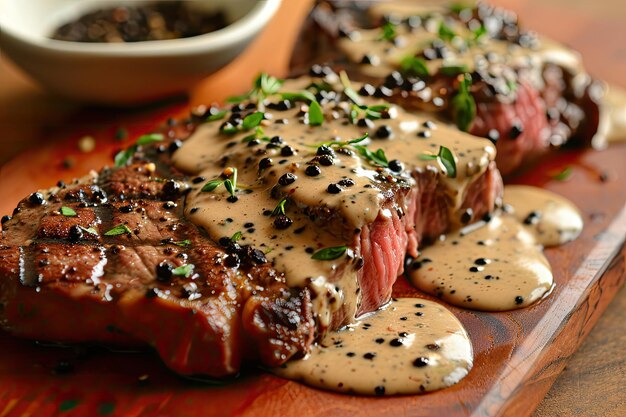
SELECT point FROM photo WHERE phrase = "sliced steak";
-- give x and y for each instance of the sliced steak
(201, 244)
(530, 93)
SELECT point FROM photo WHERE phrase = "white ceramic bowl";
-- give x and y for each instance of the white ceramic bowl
(122, 73)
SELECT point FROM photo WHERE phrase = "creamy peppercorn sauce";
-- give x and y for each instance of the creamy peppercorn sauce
(207, 152)
(499, 265)
(507, 61)
(402, 348)
(379, 57)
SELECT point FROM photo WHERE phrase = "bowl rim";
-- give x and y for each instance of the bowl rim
(252, 22)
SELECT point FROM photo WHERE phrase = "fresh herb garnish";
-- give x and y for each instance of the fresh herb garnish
(236, 236)
(373, 112)
(118, 230)
(66, 211)
(342, 144)
(388, 32)
(183, 270)
(478, 33)
(229, 182)
(459, 7)
(347, 88)
(377, 157)
(445, 32)
(453, 70)
(150, 138)
(183, 243)
(123, 156)
(316, 116)
(264, 86)
(280, 207)
(446, 157)
(252, 120)
(414, 66)
(301, 96)
(329, 254)
(217, 116)
(89, 230)
(564, 174)
(463, 104)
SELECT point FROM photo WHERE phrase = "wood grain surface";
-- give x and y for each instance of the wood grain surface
(518, 354)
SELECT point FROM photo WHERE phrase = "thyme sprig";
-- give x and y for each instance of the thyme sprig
(228, 179)
(264, 86)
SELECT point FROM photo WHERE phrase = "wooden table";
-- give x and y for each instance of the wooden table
(593, 382)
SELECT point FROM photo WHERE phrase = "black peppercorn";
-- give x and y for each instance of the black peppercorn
(325, 150)
(75, 233)
(420, 362)
(519, 300)
(36, 199)
(395, 165)
(287, 151)
(325, 160)
(333, 188)
(367, 90)
(383, 132)
(5, 219)
(164, 271)
(287, 179)
(174, 146)
(346, 182)
(282, 222)
(516, 130)
(312, 171)
(171, 189)
(265, 163)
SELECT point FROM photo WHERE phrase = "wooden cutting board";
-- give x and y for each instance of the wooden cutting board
(518, 354)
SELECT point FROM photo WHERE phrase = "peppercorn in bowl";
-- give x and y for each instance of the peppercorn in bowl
(127, 52)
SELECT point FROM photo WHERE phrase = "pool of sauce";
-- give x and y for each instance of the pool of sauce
(499, 265)
(411, 346)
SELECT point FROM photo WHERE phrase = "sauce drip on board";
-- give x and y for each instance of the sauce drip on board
(499, 265)
(411, 346)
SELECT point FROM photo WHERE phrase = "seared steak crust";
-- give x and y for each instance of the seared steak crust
(62, 278)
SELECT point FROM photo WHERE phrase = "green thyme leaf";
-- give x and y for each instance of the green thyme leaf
(211, 185)
(479, 32)
(66, 211)
(123, 156)
(230, 187)
(415, 66)
(329, 254)
(459, 7)
(347, 88)
(118, 230)
(238, 99)
(463, 105)
(453, 70)
(183, 270)
(445, 32)
(183, 243)
(304, 95)
(447, 159)
(280, 207)
(217, 116)
(378, 157)
(252, 120)
(564, 175)
(89, 230)
(358, 140)
(150, 138)
(389, 32)
(428, 157)
(316, 116)
(236, 236)
(269, 85)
